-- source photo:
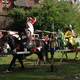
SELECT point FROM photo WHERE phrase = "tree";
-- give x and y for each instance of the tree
(19, 17)
(60, 13)
(48, 12)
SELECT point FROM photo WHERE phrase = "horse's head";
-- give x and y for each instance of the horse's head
(3, 43)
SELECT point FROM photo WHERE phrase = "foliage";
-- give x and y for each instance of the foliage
(60, 13)
(19, 17)
(51, 15)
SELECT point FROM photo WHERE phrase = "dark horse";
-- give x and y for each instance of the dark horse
(16, 45)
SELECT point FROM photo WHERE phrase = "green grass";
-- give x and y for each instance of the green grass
(7, 59)
(61, 70)
(29, 76)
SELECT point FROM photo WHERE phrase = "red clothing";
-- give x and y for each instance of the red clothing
(33, 21)
(34, 49)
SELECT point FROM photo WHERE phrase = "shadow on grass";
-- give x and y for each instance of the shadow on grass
(61, 71)
(31, 72)
(56, 60)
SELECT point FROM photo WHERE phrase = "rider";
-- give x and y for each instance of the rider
(69, 36)
(30, 28)
(30, 23)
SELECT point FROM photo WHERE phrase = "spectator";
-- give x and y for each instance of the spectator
(45, 48)
(53, 44)
(61, 40)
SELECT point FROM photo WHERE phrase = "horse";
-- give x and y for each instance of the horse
(12, 41)
(17, 45)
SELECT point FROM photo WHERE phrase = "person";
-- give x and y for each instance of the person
(45, 48)
(70, 38)
(61, 39)
(30, 29)
(53, 44)
(30, 24)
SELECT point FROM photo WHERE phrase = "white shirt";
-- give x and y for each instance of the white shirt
(31, 28)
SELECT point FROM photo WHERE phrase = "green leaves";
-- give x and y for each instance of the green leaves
(19, 17)
(60, 13)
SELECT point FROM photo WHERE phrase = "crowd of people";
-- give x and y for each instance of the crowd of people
(57, 40)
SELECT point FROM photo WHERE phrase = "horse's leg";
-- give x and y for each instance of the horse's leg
(76, 55)
(12, 62)
(52, 54)
(19, 56)
(40, 57)
(66, 55)
(62, 56)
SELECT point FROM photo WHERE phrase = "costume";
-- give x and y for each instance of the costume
(30, 24)
(70, 39)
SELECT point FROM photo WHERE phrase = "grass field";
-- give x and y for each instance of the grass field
(67, 70)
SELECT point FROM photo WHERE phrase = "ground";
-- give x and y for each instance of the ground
(67, 70)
